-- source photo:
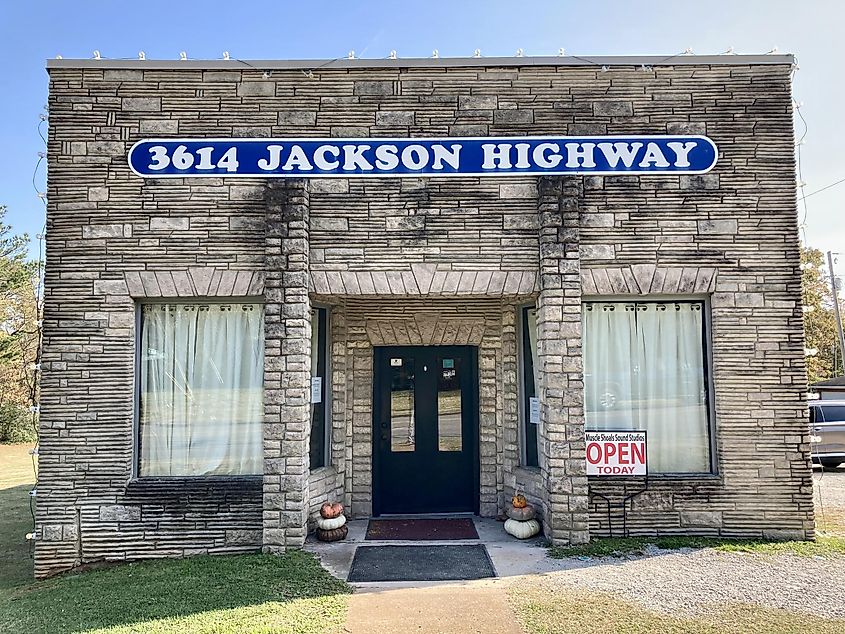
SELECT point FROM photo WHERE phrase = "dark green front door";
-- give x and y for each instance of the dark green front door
(425, 430)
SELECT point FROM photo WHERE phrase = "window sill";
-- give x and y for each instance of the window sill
(662, 478)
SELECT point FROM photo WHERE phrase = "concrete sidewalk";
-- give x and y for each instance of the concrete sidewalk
(467, 608)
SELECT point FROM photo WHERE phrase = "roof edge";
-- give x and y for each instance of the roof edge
(836, 381)
(443, 62)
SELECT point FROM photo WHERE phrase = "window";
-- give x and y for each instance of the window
(645, 368)
(529, 383)
(201, 389)
(833, 413)
(318, 447)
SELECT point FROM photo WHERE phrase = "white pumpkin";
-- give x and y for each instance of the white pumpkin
(331, 524)
(522, 530)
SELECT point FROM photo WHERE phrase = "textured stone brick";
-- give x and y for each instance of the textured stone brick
(598, 251)
(169, 224)
(708, 519)
(725, 226)
(141, 104)
(297, 117)
(613, 109)
(681, 128)
(330, 224)
(700, 181)
(123, 74)
(159, 126)
(382, 88)
(104, 148)
(478, 102)
(406, 223)
(518, 190)
(395, 117)
(329, 185)
(257, 89)
(513, 116)
(120, 513)
(102, 231)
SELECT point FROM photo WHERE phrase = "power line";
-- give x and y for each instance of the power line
(818, 191)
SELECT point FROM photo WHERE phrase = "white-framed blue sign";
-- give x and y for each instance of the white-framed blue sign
(477, 156)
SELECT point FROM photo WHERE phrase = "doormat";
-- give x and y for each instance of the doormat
(421, 563)
(422, 529)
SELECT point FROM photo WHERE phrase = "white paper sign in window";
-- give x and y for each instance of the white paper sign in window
(316, 389)
(534, 410)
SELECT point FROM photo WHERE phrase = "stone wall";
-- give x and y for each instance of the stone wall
(114, 239)
(287, 366)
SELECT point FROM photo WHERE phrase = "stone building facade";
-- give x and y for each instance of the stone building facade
(417, 262)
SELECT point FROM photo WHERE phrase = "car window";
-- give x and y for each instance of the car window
(833, 412)
(812, 414)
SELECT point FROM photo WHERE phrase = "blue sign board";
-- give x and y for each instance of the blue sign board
(485, 156)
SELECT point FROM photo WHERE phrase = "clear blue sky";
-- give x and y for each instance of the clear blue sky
(30, 32)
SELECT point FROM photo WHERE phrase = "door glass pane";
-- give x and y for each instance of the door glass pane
(449, 436)
(402, 421)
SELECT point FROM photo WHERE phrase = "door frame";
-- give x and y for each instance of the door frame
(380, 352)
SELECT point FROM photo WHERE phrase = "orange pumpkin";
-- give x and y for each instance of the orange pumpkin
(519, 501)
(331, 510)
(522, 514)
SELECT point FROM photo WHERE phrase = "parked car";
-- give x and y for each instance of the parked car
(827, 426)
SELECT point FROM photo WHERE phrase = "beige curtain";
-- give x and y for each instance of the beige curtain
(644, 370)
(201, 385)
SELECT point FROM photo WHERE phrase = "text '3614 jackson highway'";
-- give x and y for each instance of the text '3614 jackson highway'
(302, 158)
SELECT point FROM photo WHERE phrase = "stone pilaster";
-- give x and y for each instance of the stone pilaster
(287, 367)
(561, 389)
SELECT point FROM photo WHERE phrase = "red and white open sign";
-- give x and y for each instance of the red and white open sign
(616, 453)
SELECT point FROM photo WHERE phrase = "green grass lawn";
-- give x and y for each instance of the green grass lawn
(826, 545)
(247, 593)
(16, 480)
(543, 608)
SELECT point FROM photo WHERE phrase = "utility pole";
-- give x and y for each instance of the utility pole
(836, 305)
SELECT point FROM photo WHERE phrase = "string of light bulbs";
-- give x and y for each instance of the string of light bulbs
(520, 52)
(32, 372)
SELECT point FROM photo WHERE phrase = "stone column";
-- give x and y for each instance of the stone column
(287, 366)
(562, 454)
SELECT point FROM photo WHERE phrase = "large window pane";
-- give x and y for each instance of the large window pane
(645, 369)
(201, 389)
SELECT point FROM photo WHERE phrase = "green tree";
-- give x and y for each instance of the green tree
(819, 319)
(19, 334)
